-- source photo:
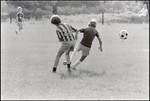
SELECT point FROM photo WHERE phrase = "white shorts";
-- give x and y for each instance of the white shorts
(67, 46)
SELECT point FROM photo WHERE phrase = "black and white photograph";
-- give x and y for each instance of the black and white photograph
(75, 50)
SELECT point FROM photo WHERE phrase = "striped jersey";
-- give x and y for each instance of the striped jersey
(65, 32)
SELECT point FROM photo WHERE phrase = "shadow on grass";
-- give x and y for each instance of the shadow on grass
(79, 74)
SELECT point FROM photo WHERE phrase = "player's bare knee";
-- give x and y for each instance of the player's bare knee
(82, 58)
(58, 56)
(67, 53)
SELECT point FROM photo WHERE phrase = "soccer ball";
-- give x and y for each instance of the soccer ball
(123, 34)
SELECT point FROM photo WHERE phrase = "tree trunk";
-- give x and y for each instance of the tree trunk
(102, 18)
(54, 9)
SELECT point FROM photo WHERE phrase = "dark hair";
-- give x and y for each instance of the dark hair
(55, 20)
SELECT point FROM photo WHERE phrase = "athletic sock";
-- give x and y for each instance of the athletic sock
(76, 63)
(73, 55)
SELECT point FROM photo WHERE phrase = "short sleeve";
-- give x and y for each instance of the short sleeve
(17, 14)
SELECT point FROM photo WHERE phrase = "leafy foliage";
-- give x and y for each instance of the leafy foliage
(38, 8)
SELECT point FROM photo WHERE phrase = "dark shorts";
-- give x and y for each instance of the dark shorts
(85, 50)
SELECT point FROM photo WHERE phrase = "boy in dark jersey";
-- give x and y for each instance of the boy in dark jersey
(20, 19)
(89, 34)
(65, 35)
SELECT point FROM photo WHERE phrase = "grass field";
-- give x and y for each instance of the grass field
(121, 71)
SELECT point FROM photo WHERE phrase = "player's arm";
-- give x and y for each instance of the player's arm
(76, 35)
(82, 30)
(147, 13)
(76, 31)
(141, 11)
(17, 18)
(100, 42)
(23, 19)
(79, 30)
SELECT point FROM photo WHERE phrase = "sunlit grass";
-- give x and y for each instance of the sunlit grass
(121, 71)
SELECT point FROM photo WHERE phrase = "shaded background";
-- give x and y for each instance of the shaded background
(39, 10)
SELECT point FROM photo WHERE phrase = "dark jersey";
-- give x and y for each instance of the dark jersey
(88, 36)
(20, 16)
(65, 32)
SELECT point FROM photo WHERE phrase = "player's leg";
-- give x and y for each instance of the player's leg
(68, 61)
(78, 62)
(21, 27)
(18, 31)
(67, 57)
(71, 57)
(59, 54)
(73, 54)
(71, 48)
(85, 53)
(64, 46)
(143, 19)
(18, 28)
(144, 25)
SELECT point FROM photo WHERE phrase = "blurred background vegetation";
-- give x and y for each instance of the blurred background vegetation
(39, 10)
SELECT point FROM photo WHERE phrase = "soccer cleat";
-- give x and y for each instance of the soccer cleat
(68, 66)
(54, 70)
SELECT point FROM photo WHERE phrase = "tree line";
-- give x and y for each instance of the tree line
(38, 9)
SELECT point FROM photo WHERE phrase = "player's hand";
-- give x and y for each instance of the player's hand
(100, 49)
(76, 35)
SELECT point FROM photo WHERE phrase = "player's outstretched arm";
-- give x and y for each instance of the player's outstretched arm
(100, 43)
(17, 19)
(75, 30)
(23, 19)
(76, 35)
(147, 13)
(79, 30)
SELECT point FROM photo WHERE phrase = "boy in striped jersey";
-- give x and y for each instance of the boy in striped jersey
(65, 35)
